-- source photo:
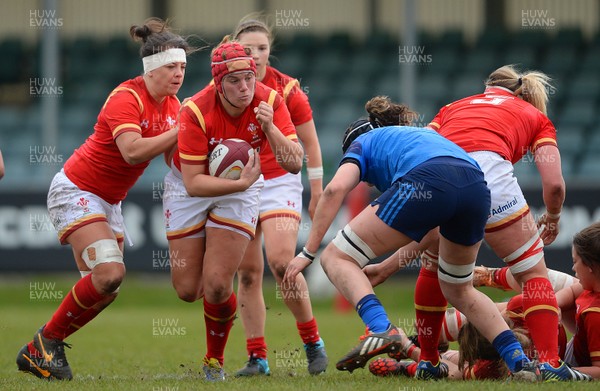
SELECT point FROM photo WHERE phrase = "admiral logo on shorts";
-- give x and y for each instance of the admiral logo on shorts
(502, 208)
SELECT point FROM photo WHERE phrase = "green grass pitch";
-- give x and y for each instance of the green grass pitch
(150, 340)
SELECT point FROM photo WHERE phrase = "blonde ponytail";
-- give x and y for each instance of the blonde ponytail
(531, 86)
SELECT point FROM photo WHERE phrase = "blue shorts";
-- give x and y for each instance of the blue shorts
(445, 192)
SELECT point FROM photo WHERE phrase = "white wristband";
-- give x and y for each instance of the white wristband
(307, 255)
(553, 215)
(314, 172)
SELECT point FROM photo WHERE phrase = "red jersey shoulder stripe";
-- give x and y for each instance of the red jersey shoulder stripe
(193, 159)
(288, 88)
(198, 114)
(434, 124)
(124, 127)
(542, 142)
(591, 309)
(132, 91)
(272, 96)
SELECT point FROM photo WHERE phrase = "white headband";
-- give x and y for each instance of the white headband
(165, 57)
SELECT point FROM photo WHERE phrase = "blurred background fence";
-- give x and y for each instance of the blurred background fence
(60, 58)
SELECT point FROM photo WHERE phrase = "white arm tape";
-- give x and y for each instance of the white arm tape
(314, 172)
(102, 251)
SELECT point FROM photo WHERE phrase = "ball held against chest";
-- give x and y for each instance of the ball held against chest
(229, 158)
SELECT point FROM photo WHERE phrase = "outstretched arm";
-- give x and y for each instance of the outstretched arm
(345, 179)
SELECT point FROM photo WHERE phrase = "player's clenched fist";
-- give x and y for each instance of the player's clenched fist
(264, 115)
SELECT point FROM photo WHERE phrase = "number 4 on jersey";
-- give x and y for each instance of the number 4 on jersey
(488, 101)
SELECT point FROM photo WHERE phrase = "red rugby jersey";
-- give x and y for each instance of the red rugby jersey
(97, 165)
(495, 121)
(204, 123)
(586, 343)
(289, 88)
(295, 100)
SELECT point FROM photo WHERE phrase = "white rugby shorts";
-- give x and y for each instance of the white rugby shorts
(508, 202)
(187, 216)
(281, 197)
(71, 208)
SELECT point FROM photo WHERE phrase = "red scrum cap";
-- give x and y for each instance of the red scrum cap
(514, 310)
(229, 58)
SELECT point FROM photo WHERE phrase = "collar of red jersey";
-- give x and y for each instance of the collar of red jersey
(495, 88)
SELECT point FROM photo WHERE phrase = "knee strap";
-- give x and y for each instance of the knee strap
(102, 251)
(455, 274)
(349, 243)
(526, 256)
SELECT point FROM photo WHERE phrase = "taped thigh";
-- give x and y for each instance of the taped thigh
(102, 251)
(455, 274)
(349, 243)
(526, 256)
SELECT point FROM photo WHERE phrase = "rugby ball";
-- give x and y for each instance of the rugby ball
(229, 158)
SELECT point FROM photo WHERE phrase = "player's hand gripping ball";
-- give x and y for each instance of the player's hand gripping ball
(228, 159)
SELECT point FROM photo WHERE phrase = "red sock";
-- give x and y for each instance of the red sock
(309, 332)
(78, 300)
(541, 318)
(257, 348)
(500, 278)
(430, 305)
(218, 319)
(81, 321)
